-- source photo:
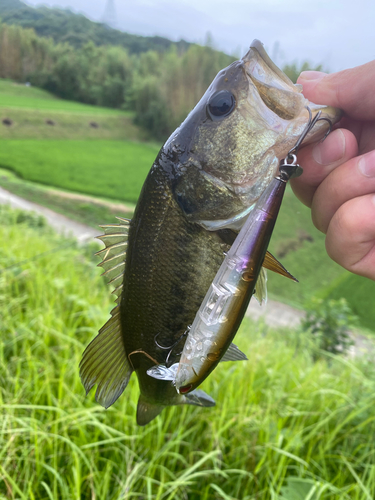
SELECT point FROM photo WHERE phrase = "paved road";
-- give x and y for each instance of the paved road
(275, 314)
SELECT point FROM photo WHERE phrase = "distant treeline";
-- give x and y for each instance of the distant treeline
(64, 25)
(161, 88)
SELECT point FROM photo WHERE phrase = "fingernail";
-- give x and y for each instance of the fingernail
(311, 75)
(331, 150)
(366, 165)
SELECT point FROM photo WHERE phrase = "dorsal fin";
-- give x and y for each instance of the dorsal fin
(147, 411)
(114, 253)
(272, 264)
(105, 363)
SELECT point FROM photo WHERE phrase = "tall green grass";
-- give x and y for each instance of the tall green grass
(282, 425)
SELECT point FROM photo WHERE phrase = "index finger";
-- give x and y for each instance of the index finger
(319, 160)
(350, 90)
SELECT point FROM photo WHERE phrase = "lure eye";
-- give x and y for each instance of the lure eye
(184, 390)
(221, 104)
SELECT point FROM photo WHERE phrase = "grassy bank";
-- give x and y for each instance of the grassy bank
(283, 424)
(301, 248)
(81, 208)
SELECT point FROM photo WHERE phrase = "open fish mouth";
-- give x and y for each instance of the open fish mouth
(281, 95)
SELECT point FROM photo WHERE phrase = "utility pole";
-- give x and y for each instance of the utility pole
(109, 16)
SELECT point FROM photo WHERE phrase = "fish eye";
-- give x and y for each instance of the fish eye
(221, 104)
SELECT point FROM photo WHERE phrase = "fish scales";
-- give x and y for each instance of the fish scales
(170, 264)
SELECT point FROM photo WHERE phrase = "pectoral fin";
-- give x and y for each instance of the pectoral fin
(147, 411)
(260, 292)
(270, 262)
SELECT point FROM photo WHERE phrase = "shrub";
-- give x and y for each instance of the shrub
(329, 322)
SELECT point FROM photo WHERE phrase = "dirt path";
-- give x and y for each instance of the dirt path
(60, 223)
(275, 314)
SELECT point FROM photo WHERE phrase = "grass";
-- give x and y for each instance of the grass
(47, 124)
(112, 169)
(84, 209)
(37, 114)
(283, 425)
(15, 95)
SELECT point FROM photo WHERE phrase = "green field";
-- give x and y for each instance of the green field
(36, 114)
(284, 428)
(15, 95)
(112, 169)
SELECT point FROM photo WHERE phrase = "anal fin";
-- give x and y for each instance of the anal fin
(105, 363)
(147, 411)
(272, 264)
(199, 398)
(234, 354)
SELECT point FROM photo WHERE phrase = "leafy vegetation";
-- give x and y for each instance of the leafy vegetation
(160, 87)
(11, 5)
(329, 322)
(359, 293)
(283, 426)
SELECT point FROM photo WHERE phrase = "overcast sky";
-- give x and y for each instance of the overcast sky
(337, 33)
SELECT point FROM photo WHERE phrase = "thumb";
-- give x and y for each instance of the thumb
(350, 89)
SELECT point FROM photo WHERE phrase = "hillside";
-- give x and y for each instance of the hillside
(77, 30)
(11, 5)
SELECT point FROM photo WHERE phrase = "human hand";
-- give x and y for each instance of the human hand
(338, 181)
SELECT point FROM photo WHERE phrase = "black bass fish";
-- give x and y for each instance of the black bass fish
(196, 197)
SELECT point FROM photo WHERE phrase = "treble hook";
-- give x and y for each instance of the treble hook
(310, 125)
(171, 347)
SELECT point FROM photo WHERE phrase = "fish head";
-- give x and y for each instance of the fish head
(228, 149)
